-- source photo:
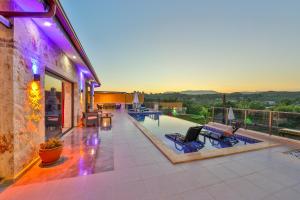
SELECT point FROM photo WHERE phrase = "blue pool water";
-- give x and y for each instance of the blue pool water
(159, 125)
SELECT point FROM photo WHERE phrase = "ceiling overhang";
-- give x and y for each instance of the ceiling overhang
(60, 31)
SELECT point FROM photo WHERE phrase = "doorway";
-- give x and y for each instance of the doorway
(58, 105)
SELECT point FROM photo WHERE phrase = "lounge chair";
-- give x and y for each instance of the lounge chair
(130, 108)
(189, 142)
(220, 132)
(143, 108)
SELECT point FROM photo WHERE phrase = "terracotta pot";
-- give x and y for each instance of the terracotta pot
(49, 156)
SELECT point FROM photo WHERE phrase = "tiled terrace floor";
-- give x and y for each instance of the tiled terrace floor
(142, 172)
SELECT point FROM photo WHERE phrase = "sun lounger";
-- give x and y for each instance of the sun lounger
(220, 132)
(189, 142)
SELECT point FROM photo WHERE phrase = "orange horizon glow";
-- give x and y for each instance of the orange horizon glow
(158, 46)
(176, 89)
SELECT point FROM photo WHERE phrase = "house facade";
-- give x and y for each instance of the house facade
(45, 75)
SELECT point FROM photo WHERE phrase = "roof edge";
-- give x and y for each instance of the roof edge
(65, 23)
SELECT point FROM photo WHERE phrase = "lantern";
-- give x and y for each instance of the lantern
(105, 121)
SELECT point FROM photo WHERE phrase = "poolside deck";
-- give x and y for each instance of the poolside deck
(140, 171)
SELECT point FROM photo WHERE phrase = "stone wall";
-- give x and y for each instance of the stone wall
(6, 96)
(22, 124)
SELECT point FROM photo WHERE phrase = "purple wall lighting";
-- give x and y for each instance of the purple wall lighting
(47, 24)
(5, 21)
(35, 69)
(81, 81)
(92, 88)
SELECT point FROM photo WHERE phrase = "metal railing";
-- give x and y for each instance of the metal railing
(271, 122)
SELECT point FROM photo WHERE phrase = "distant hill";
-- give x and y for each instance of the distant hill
(198, 92)
(193, 92)
(209, 97)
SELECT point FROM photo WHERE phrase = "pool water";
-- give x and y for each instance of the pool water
(159, 125)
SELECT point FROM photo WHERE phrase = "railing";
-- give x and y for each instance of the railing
(271, 122)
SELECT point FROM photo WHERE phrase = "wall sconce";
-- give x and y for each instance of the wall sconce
(34, 96)
(36, 77)
(35, 70)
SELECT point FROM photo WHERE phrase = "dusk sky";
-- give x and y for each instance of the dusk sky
(174, 45)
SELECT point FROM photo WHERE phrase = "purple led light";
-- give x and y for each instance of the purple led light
(81, 81)
(5, 21)
(85, 71)
(48, 24)
(34, 66)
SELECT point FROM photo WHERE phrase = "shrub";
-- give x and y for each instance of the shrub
(51, 143)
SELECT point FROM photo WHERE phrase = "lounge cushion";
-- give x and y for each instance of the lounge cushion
(92, 117)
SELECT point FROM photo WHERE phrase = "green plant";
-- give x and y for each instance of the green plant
(51, 143)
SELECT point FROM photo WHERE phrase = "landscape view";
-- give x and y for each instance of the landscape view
(149, 100)
(194, 100)
(199, 104)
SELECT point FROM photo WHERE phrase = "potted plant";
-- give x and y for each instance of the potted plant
(50, 151)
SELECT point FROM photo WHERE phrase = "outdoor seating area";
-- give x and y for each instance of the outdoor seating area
(97, 118)
(109, 106)
(139, 167)
(217, 132)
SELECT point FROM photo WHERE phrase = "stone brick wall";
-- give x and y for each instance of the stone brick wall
(20, 135)
(6, 104)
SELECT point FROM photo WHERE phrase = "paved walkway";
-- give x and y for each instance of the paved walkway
(141, 172)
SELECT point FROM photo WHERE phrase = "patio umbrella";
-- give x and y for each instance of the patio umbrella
(136, 100)
(231, 114)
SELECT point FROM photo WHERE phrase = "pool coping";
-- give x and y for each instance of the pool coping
(175, 158)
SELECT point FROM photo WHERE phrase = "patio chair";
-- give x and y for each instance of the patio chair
(91, 118)
(118, 106)
(99, 107)
(53, 121)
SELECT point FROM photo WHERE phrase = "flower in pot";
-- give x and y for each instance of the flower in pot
(50, 151)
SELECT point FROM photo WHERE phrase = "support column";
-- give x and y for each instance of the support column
(92, 97)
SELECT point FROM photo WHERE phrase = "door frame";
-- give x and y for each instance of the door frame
(62, 78)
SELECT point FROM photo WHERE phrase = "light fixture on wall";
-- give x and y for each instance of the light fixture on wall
(35, 97)
(35, 70)
(81, 86)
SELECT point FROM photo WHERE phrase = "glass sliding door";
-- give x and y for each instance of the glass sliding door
(58, 106)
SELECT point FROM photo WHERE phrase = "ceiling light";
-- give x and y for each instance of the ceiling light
(74, 57)
(48, 24)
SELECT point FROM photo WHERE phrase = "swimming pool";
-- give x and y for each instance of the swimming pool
(159, 125)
